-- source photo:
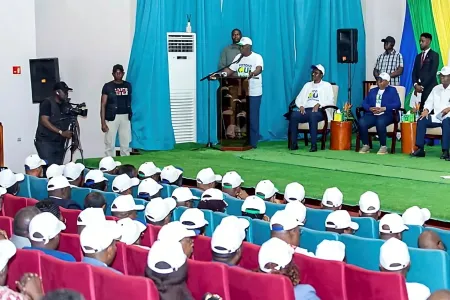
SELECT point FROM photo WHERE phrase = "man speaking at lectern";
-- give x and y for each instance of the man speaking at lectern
(250, 64)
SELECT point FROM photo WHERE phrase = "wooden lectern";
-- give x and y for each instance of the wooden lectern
(233, 114)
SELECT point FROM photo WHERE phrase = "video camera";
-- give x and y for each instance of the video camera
(75, 110)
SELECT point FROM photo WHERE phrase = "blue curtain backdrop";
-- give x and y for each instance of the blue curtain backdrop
(408, 49)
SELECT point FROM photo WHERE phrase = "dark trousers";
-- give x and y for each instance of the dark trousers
(310, 117)
(255, 105)
(380, 122)
(425, 123)
(51, 152)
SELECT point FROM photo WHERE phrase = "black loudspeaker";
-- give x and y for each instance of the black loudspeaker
(347, 46)
(44, 73)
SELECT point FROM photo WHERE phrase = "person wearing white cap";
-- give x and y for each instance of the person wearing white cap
(231, 185)
(194, 219)
(90, 216)
(275, 257)
(226, 244)
(54, 170)
(394, 257)
(391, 225)
(59, 192)
(175, 231)
(123, 184)
(34, 165)
(10, 181)
(332, 199)
(98, 243)
(207, 179)
(96, 180)
(437, 102)
(109, 165)
(125, 207)
(45, 230)
(416, 216)
(294, 192)
(266, 190)
(74, 173)
(172, 175)
(331, 250)
(314, 95)
(167, 267)
(212, 199)
(339, 221)
(184, 197)
(297, 210)
(149, 170)
(369, 205)
(378, 106)
(132, 231)
(158, 212)
(149, 189)
(255, 208)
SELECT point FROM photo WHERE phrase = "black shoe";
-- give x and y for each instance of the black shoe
(313, 148)
(418, 153)
(445, 155)
(293, 147)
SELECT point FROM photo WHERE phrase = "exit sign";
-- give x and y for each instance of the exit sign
(17, 70)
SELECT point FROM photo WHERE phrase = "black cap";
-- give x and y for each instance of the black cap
(388, 39)
(61, 86)
(118, 67)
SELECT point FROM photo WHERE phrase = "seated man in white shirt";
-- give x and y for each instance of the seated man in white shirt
(439, 101)
(314, 94)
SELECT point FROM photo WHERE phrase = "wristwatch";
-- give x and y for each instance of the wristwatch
(60, 132)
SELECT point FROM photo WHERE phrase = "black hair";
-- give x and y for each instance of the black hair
(253, 216)
(427, 36)
(214, 205)
(49, 206)
(94, 199)
(22, 219)
(128, 169)
(236, 29)
(159, 223)
(101, 186)
(63, 294)
(14, 189)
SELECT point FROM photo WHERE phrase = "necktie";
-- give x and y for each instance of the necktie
(423, 58)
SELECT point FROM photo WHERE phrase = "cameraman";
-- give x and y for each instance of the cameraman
(52, 130)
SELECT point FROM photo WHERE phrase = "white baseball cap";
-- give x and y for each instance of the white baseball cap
(7, 250)
(54, 170)
(320, 68)
(385, 76)
(274, 251)
(240, 223)
(33, 161)
(124, 203)
(108, 164)
(212, 194)
(174, 231)
(369, 202)
(282, 220)
(91, 215)
(148, 169)
(416, 216)
(393, 222)
(245, 41)
(394, 255)
(340, 219)
(265, 189)
(149, 186)
(231, 180)
(444, 71)
(297, 210)
(96, 176)
(183, 194)
(166, 253)
(58, 182)
(123, 182)
(94, 239)
(253, 205)
(131, 230)
(332, 197)
(417, 291)
(294, 192)
(226, 239)
(193, 218)
(45, 226)
(158, 208)
(170, 174)
(331, 250)
(73, 171)
(207, 176)
(8, 178)
(2, 191)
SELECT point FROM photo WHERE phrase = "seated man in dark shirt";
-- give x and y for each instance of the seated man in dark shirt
(96, 200)
(59, 192)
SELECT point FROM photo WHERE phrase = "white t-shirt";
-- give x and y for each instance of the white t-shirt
(378, 100)
(316, 93)
(417, 291)
(245, 66)
(439, 99)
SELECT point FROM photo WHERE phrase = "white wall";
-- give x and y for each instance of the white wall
(17, 113)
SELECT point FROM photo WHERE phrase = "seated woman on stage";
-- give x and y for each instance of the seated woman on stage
(378, 106)
(314, 94)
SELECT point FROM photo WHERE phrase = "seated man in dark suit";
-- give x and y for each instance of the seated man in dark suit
(59, 192)
(378, 106)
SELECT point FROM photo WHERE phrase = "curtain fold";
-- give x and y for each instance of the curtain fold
(441, 13)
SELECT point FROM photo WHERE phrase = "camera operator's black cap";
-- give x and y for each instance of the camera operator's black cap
(118, 67)
(61, 86)
(388, 39)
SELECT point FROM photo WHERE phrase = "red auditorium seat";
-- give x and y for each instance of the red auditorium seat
(25, 261)
(31, 201)
(204, 277)
(136, 260)
(329, 284)
(202, 248)
(12, 204)
(249, 259)
(6, 224)
(150, 235)
(120, 261)
(71, 216)
(363, 284)
(245, 284)
(70, 243)
(58, 274)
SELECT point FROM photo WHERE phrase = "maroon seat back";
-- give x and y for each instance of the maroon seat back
(363, 284)
(202, 248)
(249, 259)
(6, 224)
(25, 261)
(136, 260)
(58, 274)
(71, 216)
(327, 284)
(70, 243)
(208, 277)
(31, 201)
(245, 284)
(150, 235)
(12, 204)
(120, 261)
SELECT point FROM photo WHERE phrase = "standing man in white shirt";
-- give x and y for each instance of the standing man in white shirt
(439, 101)
(314, 94)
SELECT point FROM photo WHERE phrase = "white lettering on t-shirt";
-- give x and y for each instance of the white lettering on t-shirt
(121, 91)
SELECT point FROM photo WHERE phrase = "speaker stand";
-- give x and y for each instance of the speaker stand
(354, 121)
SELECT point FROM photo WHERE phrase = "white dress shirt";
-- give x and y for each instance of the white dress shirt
(438, 100)
(316, 93)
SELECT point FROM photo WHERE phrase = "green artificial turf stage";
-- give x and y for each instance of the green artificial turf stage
(399, 180)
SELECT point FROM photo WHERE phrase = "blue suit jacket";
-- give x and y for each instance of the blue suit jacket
(390, 99)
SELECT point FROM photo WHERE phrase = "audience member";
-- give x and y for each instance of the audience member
(416, 216)
(175, 231)
(294, 192)
(369, 205)
(431, 240)
(132, 231)
(332, 199)
(241, 223)
(275, 257)
(59, 192)
(128, 169)
(21, 223)
(34, 165)
(184, 197)
(194, 219)
(172, 175)
(95, 199)
(159, 211)
(226, 244)
(54, 170)
(51, 207)
(63, 294)
(394, 257)
(231, 185)
(266, 191)
(207, 179)
(212, 199)
(96, 180)
(149, 189)
(298, 211)
(123, 184)
(339, 221)
(74, 173)
(255, 208)
(109, 165)
(440, 295)
(391, 225)
(90, 217)
(45, 231)
(331, 250)
(167, 268)
(125, 207)
(149, 170)
(10, 181)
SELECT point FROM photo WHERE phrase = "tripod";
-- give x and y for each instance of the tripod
(74, 143)
(349, 85)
